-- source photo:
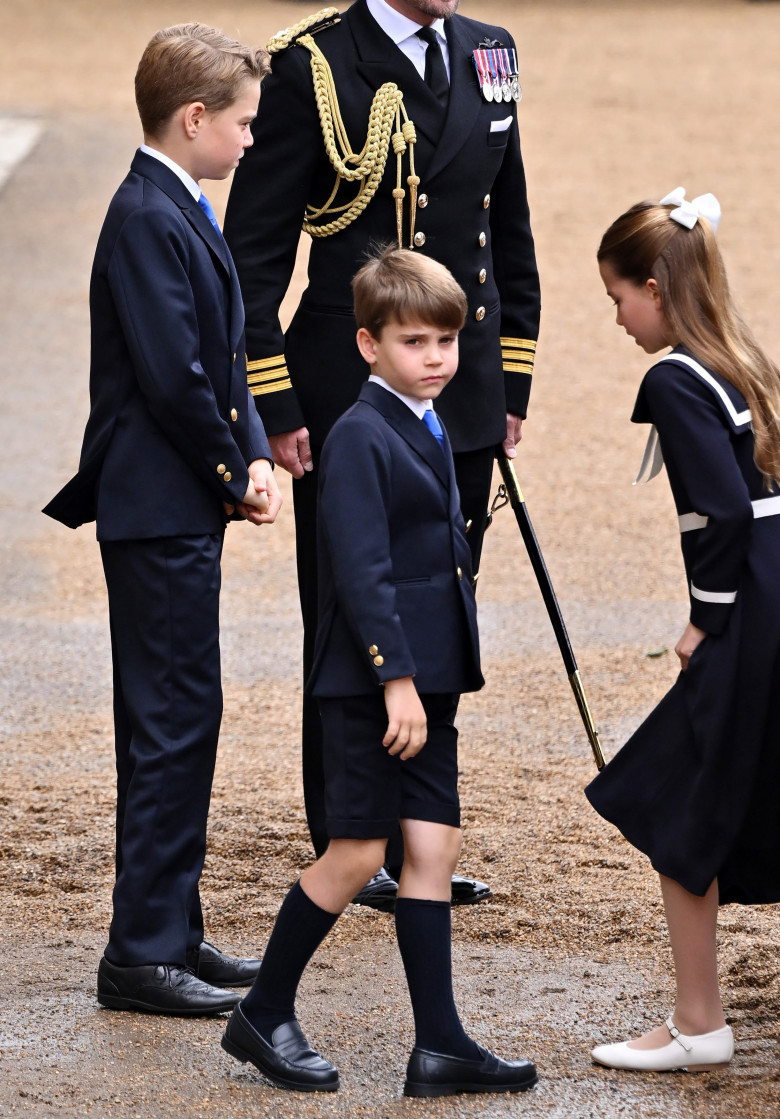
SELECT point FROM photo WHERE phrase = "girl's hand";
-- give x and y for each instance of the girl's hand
(407, 726)
(691, 638)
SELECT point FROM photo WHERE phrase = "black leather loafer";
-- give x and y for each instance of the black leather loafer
(378, 893)
(435, 1074)
(287, 1060)
(160, 989)
(213, 966)
(468, 891)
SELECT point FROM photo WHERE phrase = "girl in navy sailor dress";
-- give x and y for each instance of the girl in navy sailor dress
(696, 787)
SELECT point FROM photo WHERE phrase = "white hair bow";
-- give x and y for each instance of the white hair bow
(688, 213)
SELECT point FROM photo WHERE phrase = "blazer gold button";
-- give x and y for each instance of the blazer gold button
(482, 275)
(233, 415)
(460, 573)
(422, 201)
(486, 202)
(373, 650)
(482, 240)
(221, 468)
(234, 357)
(379, 661)
(228, 475)
(479, 314)
(419, 240)
(469, 523)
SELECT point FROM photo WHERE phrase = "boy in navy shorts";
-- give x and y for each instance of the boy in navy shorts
(396, 645)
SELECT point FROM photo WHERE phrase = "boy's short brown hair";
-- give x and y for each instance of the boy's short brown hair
(192, 62)
(401, 286)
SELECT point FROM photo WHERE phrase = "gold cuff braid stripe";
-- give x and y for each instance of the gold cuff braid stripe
(267, 374)
(259, 363)
(517, 355)
(276, 386)
(527, 344)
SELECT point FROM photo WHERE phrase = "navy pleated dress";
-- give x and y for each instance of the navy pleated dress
(697, 787)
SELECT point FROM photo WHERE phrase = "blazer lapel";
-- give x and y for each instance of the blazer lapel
(403, 420)
(172, 185)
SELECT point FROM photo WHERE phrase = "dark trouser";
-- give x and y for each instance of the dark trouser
(163, 597)
(473, 471)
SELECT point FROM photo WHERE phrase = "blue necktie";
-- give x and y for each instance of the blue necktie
(431, 421)
(205, 206)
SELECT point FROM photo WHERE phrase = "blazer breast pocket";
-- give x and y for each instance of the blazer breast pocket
(498, 133)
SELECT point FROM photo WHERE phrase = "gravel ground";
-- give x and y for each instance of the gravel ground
(622, 101)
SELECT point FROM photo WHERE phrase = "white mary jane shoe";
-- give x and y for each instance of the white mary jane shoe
(697, 1053)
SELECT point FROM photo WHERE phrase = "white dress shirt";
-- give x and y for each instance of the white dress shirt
(189, 182)
(403, 32)
(417, 406)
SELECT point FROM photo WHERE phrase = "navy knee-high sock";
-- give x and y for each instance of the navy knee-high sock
(300, 928)
(424, 934)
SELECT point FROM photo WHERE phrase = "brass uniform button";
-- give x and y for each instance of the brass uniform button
(379, 661)
(482, 275)
(228, 476)
(460, 573)
(474, 580)
(234, 357)
(221, 468)
(233, 415)
(422, 201)
(482, 240)
(419, 240)
(479, 314)
(373, 650)
(486, 202)
(469, 523)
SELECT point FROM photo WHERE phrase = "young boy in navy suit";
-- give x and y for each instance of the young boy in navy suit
(396, 644)
(173, 447)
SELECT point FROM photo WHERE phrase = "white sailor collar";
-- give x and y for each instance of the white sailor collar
(730, 399)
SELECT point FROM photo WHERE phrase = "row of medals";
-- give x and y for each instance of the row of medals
(498, 76)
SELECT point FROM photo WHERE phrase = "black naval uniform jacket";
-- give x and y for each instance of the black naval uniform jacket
(472, 215)
(395, 592)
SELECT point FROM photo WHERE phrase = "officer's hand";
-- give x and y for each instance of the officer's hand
(514, 433)
(291, 451)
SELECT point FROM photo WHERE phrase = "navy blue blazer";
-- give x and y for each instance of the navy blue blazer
(395, 593)
(172, 425)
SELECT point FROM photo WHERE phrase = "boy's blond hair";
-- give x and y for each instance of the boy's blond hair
(192, 62)
(401, 286)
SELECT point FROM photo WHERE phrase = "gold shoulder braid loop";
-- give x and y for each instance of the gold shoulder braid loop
(326, 17)
(367, 166)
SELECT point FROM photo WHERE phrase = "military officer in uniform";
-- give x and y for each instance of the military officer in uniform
(395, 119)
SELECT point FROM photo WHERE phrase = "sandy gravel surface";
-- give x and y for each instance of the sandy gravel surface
(623, 100)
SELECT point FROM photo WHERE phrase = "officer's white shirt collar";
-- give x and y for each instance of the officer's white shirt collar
(189, 182)
(417, 406)
(403, 32)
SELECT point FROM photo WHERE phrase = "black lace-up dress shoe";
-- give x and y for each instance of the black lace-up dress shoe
(160, 989)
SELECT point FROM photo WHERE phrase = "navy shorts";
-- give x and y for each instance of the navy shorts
(367, 789)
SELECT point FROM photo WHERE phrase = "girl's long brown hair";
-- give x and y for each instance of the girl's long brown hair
(686, 264)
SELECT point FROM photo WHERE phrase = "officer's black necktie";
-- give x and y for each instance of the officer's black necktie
(435, 70)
